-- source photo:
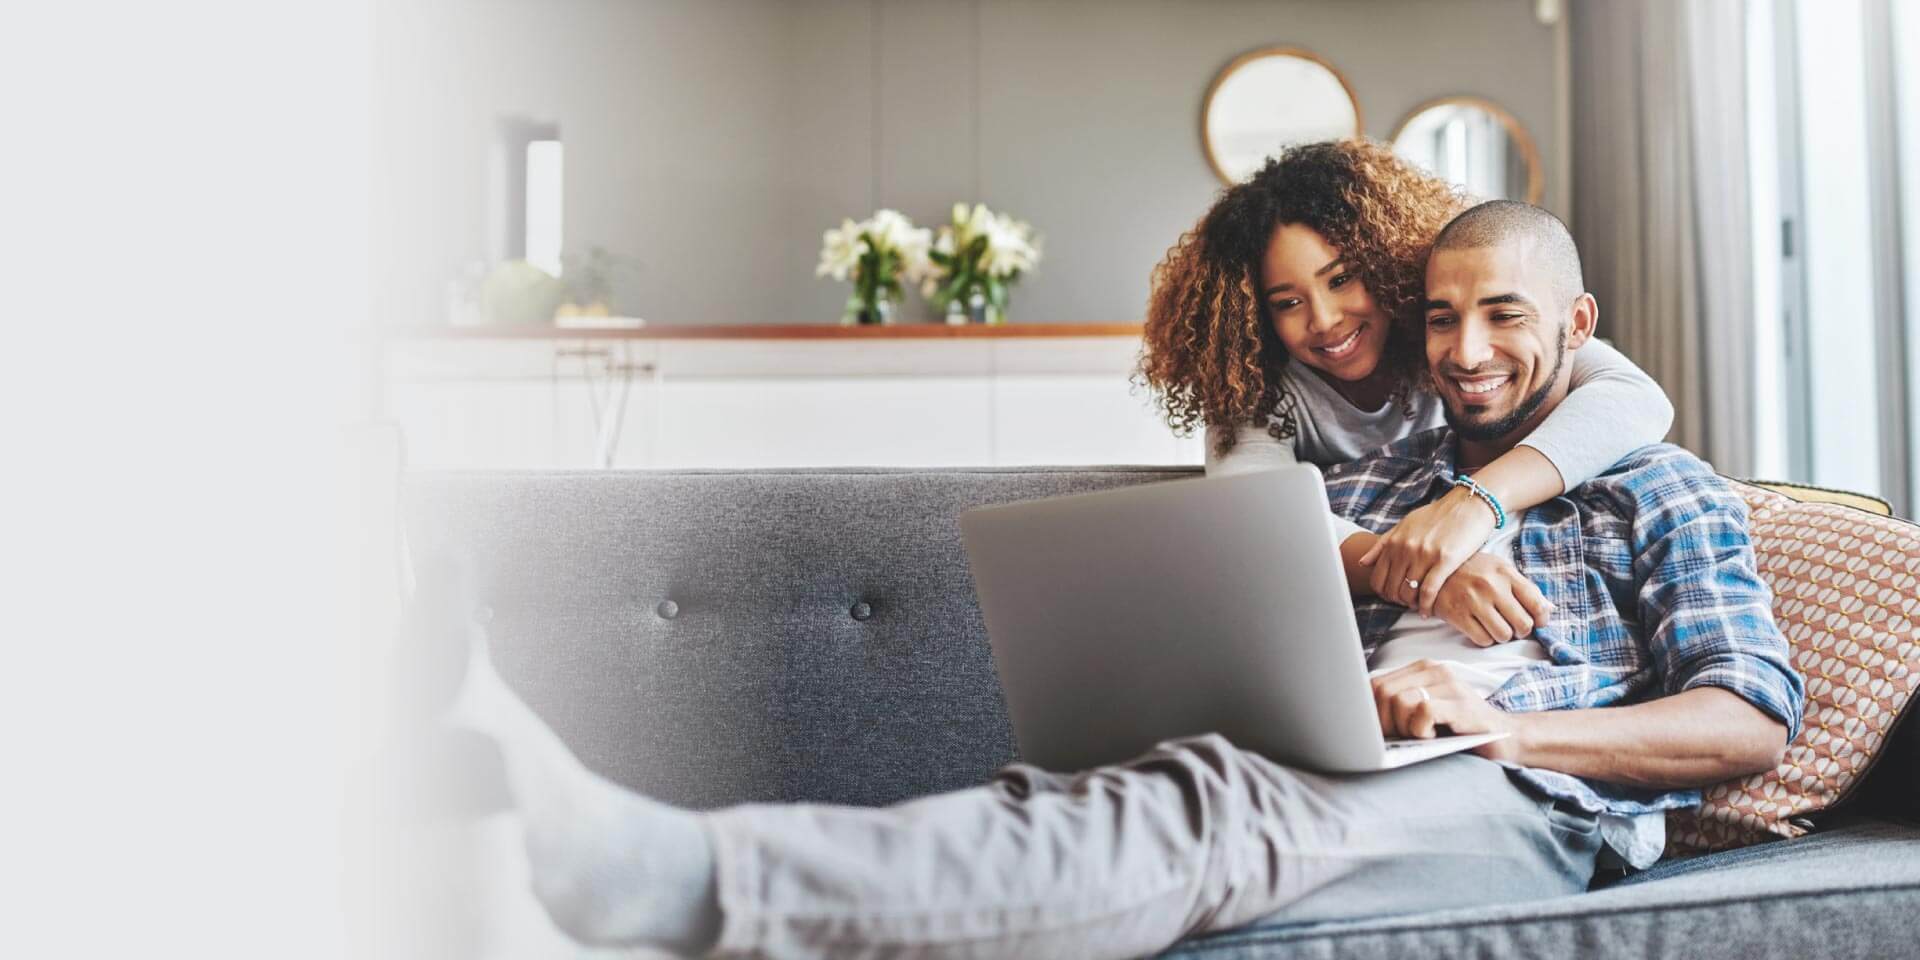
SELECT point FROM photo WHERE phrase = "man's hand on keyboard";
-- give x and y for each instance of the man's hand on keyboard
(1424, 699)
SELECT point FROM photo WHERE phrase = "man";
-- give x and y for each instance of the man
(1659, 670)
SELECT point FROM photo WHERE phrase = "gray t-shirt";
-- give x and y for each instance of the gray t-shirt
(1612, 409)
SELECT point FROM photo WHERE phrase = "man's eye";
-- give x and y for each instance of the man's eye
(1439, 321)
(1509, 317)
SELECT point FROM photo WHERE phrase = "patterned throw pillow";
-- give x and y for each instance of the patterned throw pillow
(1846, 592)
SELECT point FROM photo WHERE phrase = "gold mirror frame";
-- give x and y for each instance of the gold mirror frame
(1301, 53)
(1536, 174)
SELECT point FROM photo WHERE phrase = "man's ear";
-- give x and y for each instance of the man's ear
(1580, 326)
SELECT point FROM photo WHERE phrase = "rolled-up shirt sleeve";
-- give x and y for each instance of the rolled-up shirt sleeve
(1707, 613)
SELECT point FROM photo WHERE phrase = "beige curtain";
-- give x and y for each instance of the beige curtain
(1661, 206)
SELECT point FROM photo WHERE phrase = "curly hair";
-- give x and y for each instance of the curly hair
(1209, 353)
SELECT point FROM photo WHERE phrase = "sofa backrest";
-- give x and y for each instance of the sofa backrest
(716, 637)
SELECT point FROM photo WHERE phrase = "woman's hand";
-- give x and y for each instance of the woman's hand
(1412, 561)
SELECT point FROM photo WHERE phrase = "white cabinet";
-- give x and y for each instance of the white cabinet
(774, 403)
(1079, 419)
(824, 421)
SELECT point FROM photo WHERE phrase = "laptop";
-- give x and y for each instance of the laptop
(1122, 618)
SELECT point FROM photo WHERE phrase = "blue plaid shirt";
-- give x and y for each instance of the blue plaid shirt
(1653, 579)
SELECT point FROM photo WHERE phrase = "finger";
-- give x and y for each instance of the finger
(1383, 707)
(1537, 604)
(1430, 584)
(1401, 570)
(1420, 673)
(1495, 627)
(1423, 721)
(1407, 705)
(1382, 579)
(1377, 580)
(1460, 617)
(1442, 569)
(1373, 552)
(1516, 615)
(1390, 687)
(1398, 706)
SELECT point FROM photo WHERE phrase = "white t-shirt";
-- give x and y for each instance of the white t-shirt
(1415, 637)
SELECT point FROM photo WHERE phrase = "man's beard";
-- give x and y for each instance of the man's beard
(1486, 432)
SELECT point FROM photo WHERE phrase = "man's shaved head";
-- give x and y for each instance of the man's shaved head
(1499, 222)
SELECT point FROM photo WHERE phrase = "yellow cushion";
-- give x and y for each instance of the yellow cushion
(1809, 494)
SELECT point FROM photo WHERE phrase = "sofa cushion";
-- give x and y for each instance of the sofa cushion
(1808, 493)
(1846, 586)
(1852, 891)
(712, 637)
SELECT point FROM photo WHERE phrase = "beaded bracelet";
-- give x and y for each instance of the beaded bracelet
(1499, 512)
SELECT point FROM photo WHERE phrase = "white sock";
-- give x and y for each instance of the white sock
(611, 867)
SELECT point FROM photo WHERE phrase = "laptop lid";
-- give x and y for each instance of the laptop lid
(1122, 618)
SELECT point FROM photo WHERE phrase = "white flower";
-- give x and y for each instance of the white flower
(889, 228)
(978, 221)
(1010, 246)
(841, 250)
(913, 244)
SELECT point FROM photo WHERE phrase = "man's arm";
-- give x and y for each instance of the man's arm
(1359, 577)
(1733, 700)
(1691, 739)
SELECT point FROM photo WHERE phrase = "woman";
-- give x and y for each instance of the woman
(1288, 323)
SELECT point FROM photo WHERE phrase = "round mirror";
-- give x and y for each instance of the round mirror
(1270, 99)
(1476, 144)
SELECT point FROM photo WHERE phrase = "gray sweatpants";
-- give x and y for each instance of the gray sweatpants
(1191, 837)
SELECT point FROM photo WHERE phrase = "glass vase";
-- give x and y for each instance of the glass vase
(981, 310)
(977, 306)
(877, 312)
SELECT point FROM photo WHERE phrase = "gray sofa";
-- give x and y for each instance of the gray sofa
(715, 637)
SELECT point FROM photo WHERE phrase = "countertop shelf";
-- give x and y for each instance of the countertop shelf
(775, 331)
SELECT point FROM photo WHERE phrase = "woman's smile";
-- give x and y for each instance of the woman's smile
(1345, 346)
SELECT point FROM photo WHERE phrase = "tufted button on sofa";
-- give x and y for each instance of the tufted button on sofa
(786, 686)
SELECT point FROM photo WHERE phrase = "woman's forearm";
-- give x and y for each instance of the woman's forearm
(1612, 408)
(1522, 477)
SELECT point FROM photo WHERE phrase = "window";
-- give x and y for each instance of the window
(528, 194)
(1833, 174)
(543, 205)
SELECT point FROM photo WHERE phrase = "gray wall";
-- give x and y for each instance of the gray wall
(713, 140)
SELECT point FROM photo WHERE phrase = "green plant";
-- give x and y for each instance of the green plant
(980, 251)
(876, 253)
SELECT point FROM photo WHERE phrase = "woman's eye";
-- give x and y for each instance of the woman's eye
(1340, 281)
(1281, 306)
